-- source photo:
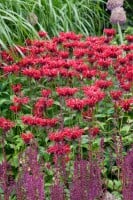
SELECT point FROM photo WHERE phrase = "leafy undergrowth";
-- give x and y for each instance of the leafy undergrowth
(66, 117)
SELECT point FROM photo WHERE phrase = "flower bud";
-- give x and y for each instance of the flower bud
(32, 18)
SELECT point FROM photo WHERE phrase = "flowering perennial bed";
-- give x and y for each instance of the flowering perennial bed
(66, 117)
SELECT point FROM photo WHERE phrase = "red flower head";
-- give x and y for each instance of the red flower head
(116, 95)
(129, 38)
(15, 108)
(16, 88)
(76, 104)
(94, 131)
(126, 104)
(103, 84)
(26, 137)
(21, 100)
(6, 124)
(46, 92)
(109, 32)
(42, 34)
(66, 91)
(59, 149)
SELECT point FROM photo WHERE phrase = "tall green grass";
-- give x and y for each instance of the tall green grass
(85, 16)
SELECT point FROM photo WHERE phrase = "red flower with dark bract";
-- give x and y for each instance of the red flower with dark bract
(27, 137)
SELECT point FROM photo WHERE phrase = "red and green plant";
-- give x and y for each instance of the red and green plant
(66, 117)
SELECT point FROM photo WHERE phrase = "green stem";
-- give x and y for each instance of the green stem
(120, 33)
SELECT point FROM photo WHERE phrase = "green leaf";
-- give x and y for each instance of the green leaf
(1, 191)
(125, 129)
(110, 184)
(84, 139)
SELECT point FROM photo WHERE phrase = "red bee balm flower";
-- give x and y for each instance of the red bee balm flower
(15, 108)
(94, 131)
(26, 137)
(6, 124)
(76, 104)
(116, 95)
(46, 92)
(59, 149)
(109, 32)
(42, 34)
(66, 91)
(16, 88)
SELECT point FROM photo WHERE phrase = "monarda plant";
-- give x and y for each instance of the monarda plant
(66, 117)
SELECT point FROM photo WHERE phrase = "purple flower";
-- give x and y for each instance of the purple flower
(127, 170)
(57, 192)
(111, 4)
(30, 183)
(86, 182)
(118, 15)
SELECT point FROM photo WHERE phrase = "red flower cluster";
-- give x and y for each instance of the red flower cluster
(41, 104)
(76, 104)
(109, 32)
(94, 131)
(21, 100)
(15, 108)
(116, 95)
(66, 133)
(126, 104)
(59, 149)
(27, 137)
(66, 91)
(93, 93)
(6, 124)
(11, 69)
(46, 93)
(16, 88)
(34, 73)
(129, 38)
(70, 65)
(42, 34)
(37, 121)
(103, 84)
